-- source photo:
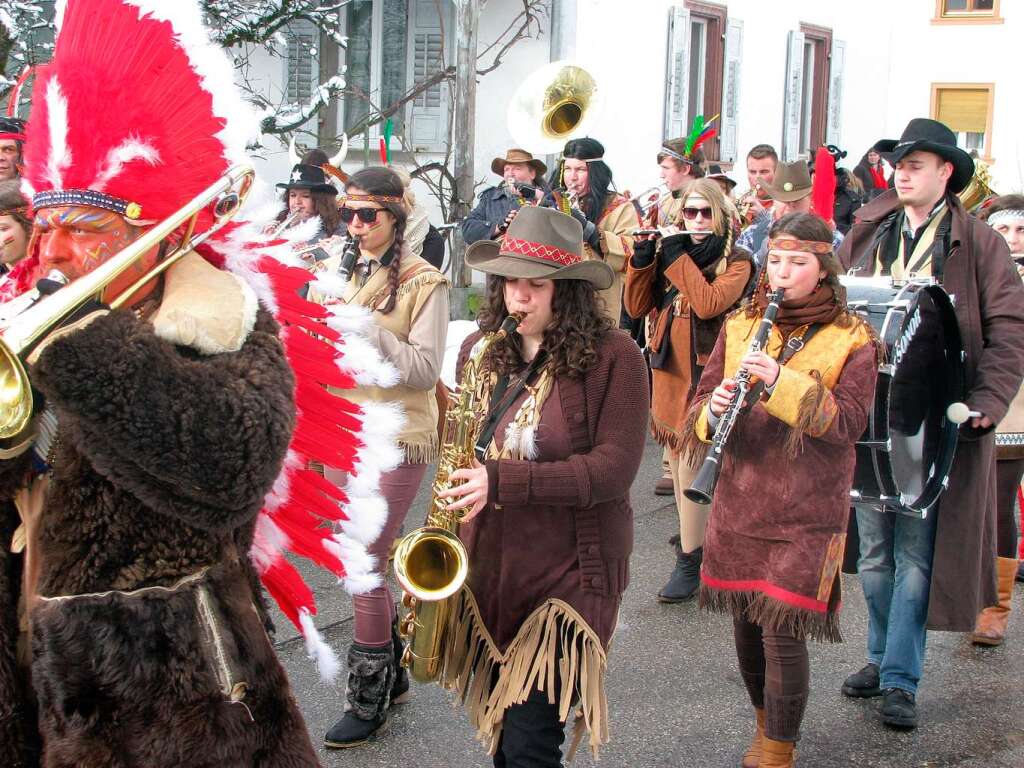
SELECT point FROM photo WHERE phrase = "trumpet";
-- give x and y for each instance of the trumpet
(651, 198)
(25, 330)
(703, 488)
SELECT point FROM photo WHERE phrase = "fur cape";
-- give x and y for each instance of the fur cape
(148, 638)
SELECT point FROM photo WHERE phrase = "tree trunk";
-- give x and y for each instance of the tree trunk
(463, 139)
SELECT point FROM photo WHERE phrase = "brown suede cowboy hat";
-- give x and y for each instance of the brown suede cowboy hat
(518, 156)
(792, 182)
(540, 243)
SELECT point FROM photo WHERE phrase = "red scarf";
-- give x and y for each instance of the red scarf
(878, 177)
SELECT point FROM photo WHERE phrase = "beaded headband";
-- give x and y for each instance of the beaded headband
(816, 247)
(55, 197)
(23, 210)
(372, 198)
(1003, 215)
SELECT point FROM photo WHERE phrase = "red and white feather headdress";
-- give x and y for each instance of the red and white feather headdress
(138, 112)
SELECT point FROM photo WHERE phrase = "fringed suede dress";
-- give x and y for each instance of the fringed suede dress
(777, 529)
(549, 554)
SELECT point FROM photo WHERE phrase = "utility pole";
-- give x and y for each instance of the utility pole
(463, 142)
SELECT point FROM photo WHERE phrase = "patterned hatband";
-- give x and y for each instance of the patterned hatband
(516, 247)
(792, 244)
(54, 197)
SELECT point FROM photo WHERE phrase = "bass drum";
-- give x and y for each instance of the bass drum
(905, 455)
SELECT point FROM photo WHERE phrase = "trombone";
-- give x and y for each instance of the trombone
(24, 331)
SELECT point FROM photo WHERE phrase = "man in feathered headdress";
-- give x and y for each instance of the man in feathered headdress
(168, 466)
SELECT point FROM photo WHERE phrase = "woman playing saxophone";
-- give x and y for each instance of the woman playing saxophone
(547, 525)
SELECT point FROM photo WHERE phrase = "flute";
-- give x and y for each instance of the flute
(703, 488)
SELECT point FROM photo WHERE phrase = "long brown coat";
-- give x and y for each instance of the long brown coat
(697, 298)
(989, 299)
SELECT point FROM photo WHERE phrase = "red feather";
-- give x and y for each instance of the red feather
(823, 189)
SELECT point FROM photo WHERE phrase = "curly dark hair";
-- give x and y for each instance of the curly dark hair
(578, 325)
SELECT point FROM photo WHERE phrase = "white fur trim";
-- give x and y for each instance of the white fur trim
(366, 518)
(268, 543)
(60, 153)
(130, 149)
(333, 285)
(326, 660)
(360, 565)
(362, 361)
(214, 69)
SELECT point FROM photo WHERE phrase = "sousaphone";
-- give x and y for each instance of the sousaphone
(558, 102)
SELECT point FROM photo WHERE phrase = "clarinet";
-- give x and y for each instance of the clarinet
(348, 258)
(703, 488)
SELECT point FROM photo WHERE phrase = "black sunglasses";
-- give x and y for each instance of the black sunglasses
(691, 213)
(366, 215)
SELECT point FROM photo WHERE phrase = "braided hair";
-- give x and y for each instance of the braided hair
(380, 180)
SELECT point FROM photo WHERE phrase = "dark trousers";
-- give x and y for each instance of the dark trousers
(1008, 474)
(776, 671)
(531, 735)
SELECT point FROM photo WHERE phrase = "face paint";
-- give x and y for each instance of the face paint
(75, 239)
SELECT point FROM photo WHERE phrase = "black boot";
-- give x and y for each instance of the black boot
(685, 579)
(371, 675)
(899, 709)
(400, 688)
(863, 684)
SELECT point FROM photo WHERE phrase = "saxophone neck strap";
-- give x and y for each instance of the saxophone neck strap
(502, 399)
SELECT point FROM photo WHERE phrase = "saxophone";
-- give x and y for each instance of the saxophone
(431, 563)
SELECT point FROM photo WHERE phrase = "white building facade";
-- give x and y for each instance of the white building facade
(794, 75)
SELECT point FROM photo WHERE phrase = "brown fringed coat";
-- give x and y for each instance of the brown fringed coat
(775, 537)
(147, 629)
(690, 329)
(550, 551)
(989, 300)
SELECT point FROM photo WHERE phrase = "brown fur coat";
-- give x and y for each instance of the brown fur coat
(147, 634)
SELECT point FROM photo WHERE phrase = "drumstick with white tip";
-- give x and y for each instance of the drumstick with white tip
(958, 413)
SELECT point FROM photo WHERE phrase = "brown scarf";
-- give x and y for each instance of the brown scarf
(823, 306)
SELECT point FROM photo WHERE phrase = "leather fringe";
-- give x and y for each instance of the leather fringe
(426, 277)
(692, 447)
(758, 608)
(807, 413)
(420, 453)
(488, 682)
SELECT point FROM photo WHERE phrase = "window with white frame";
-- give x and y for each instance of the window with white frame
(394, 45)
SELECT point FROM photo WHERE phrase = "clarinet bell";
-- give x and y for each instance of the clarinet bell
(703, 488)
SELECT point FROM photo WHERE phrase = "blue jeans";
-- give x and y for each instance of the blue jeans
(895, 569)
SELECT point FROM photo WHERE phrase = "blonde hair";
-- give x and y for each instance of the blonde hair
(723, 212)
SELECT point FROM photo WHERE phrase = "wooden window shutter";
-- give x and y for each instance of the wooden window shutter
(793, 103)
(833, 131)
(731, 69)
(677, 76)
(429, 110)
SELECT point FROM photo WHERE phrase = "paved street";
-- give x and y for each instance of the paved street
(675, 695)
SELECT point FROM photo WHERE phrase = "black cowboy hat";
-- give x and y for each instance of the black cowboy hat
(311, 177)
(924, 135)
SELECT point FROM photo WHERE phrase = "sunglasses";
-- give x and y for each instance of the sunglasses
(366, 215)
(691, 213)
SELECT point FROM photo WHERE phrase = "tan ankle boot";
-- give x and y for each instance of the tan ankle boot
(777, 754)
(990, 627)
(752, 757)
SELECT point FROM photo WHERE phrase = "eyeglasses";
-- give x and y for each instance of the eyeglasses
(366, 215)
(691, 213)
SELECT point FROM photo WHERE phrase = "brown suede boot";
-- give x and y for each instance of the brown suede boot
(777, 754)
(752, 757)
(990, 628)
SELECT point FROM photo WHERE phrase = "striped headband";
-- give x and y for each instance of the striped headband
(1004, 215)
(672, 153)
(372, 198)
(816, 247)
